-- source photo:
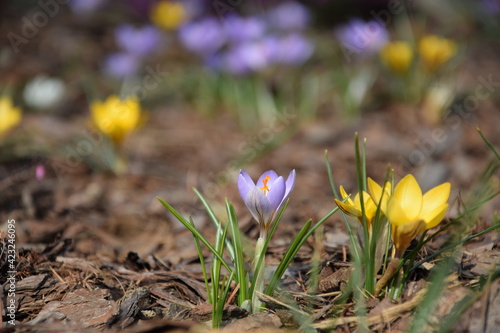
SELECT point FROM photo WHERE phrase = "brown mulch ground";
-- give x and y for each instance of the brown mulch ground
(99, 252)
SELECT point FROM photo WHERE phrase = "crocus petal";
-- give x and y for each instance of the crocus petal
(258, 205)
(395, 213)
(377, 193)
(347, 208)
(245, 184)
(265, 197)
(272, 178)
(290, 184)
(344, 195)
(370, 207)
(374, 189)
(276, 193)
(433, 200)
(409, 195)
(247, 178)
(403, 234)
(433, 218)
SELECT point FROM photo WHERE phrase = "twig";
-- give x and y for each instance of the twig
(385, 316)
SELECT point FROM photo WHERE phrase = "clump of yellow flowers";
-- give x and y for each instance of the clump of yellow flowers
(408, 210)
(168, 15)
(435, 51)
(116, 117)
(10, 115)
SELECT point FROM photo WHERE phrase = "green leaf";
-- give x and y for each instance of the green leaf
(288, 257)
(214, 220)
(239, 261)
(352, 236)
(301, 238)
(203, 266)
(488, 143)
(259, 265)
(195, 232)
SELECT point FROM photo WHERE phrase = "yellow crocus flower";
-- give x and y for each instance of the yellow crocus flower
(168, 14)
(10, 116)
(397, 56)
(378, 193)
(353, 207)
(115, 117)
(435, 51)
(410, 212)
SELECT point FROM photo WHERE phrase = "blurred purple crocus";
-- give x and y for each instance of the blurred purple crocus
(292, 49)
(204, 37)
(241, 29)
(86, 6)
(250, 56)
(289, 16)
(121, 65)
(364, 38)
(138, 41)
(265, 197)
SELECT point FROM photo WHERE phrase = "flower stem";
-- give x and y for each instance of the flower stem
(259, 278)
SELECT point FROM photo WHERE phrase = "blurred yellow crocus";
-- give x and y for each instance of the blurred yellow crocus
(410, 212)
(116, 117)
(168, 14)
(10, 116)
(397, 56)
(353, 207)
(435, 51)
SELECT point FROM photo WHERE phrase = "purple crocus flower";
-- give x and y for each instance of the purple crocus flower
(288, 16)
(241, 29)
(138, 41)
(365, 38)
(86, 6)
(121, 65)
(292, 49)
(265, 197)
(204, 37)
(250, 56)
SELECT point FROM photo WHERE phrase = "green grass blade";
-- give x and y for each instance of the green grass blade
(301, 238)
(424, 311)
(464, 213)
(488, 143)
(352, 237)
(330, 176)
(493, 227)
(239, 260)
(214, 220)
(218, 305)
(369, 260)
(266, 244)
(203, 266)
(458, 309)
(288, 257)
(194, 231)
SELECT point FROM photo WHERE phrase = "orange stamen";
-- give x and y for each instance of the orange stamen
(265, 188)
